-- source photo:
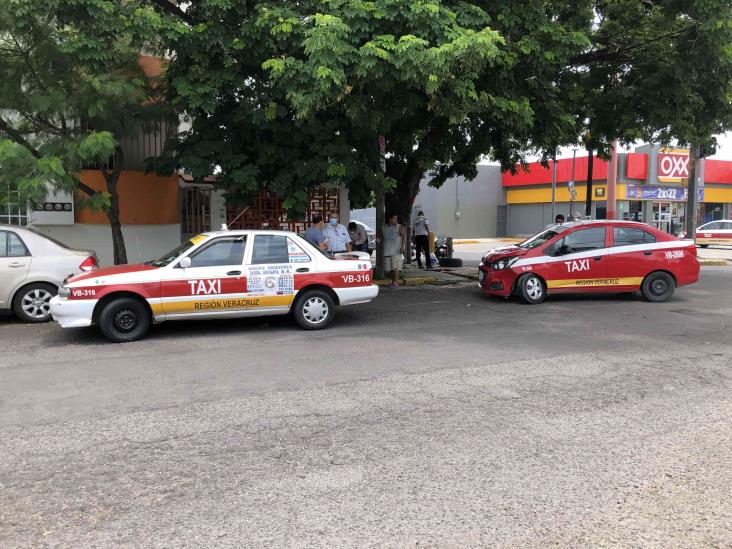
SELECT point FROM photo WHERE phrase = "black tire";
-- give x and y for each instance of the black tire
(31, 302)
(451, 262)
(658, 287)
(124, 319)
(314, 310)
(531, 289)
(703, 245)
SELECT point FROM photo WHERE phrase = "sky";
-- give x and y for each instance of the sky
(724, 149)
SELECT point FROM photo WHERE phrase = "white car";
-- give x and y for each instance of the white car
(370, 235)
(32, 267)
(222, 274)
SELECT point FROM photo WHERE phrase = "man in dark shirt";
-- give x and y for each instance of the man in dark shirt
(314, 234)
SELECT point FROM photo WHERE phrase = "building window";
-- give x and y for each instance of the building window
(12, 211)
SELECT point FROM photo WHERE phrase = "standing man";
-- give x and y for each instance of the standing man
(337, 236)
(359, 238)
(314, 234)
(421, 232)
(394, 241)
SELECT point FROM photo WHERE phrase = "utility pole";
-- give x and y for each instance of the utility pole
(588, 198)
(612, 180)
(691, 197)
(554, 187)
(380, 212)
(571, 187)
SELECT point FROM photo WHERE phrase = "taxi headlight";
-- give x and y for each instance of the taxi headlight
(64, 292)
(504, 263)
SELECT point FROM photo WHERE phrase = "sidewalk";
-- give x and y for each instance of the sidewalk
(413, 276)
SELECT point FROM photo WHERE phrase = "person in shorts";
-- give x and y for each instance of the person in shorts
(394, 237)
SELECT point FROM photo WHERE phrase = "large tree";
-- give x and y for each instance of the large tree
(71, 88)
(295, 94)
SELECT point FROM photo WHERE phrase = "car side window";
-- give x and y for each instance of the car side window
(270, 248)
(14, 246)
(727, 226)
(220, 252)
(628, 236)
(582, 240)
(713, 226)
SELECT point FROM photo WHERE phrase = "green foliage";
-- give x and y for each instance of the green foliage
(71, 87)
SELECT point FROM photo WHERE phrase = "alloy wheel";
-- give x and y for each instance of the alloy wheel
(36, 304)
(315, 310)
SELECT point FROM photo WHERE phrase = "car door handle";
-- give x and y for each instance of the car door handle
(597, 258)
(233, 273)
(16, 265)
(647, 253)
(303, 270)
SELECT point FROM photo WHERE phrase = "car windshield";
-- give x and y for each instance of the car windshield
(539, 239)
(172, 255)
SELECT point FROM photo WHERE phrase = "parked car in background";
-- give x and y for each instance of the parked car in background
(370, 233)
(32, 268)
(715, 232)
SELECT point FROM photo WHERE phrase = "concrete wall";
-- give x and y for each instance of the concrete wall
(143, 242)
(462, 208)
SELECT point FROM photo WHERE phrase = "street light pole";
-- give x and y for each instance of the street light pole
(571, 197)
(554, 187)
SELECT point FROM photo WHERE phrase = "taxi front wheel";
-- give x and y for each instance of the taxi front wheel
(124, 319)
(531, 288)
(658, 287)
(314, 310)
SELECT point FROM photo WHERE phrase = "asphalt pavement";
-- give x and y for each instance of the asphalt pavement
(433, 416)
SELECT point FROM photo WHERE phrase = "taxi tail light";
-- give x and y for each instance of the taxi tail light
(89, 264)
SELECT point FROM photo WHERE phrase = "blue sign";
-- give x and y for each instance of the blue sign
(653, 192)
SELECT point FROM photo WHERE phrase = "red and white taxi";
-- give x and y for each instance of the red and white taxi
(217, 275)
(591, 256)
(715, 232)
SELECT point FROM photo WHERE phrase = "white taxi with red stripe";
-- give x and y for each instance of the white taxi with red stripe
(715, 233)
(589, 257)
(218, 275)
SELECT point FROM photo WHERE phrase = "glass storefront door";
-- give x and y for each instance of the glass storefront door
(662, 216)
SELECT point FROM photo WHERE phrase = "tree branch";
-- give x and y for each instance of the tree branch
(18, 137)
(172, 9)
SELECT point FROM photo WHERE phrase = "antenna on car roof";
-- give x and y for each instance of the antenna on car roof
(225, 227)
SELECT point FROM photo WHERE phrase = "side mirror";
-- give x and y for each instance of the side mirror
(184, 263)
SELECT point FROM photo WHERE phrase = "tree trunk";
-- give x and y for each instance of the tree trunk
(691, 198)
(112, 178)
(588, 199)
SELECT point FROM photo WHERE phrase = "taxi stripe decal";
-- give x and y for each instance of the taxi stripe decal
(594, 282)
(221, 304)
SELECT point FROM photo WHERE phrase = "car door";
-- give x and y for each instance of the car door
(632, 257)
(577, 262)
(15, 261)
(214, 285)
(274, 262)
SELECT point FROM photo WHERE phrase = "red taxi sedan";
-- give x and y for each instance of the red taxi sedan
(591, 257)
(715, 232)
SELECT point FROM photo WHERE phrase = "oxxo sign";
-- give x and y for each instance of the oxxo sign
(673, 164)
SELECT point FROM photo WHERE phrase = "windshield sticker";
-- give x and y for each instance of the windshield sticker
(271, 279)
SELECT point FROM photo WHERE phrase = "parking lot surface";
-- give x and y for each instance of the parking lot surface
(432, 416)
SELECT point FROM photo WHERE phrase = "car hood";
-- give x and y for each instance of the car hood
(504, 251)
(108, 271)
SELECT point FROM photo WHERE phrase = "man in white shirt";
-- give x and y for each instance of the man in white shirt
(421, 232)
(339, 241)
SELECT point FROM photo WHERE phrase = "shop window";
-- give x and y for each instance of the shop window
(627, 236)
(12, 211)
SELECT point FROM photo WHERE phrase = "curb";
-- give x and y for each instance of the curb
(461, 241)
(713, 262)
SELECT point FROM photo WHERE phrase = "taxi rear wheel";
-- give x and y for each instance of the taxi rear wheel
(532, 289)
(314, 310)
(124, 319)
(658, 287)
